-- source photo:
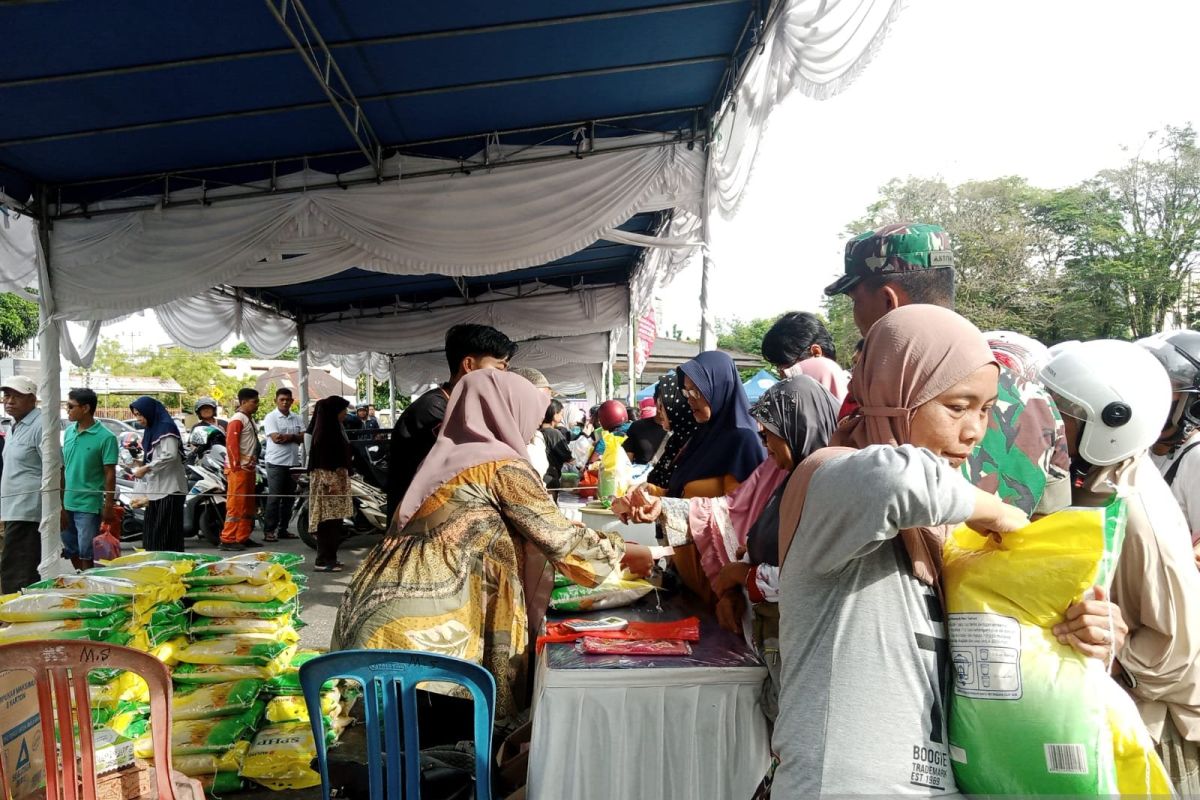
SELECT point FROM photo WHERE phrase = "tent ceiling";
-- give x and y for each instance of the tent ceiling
(599, 264)
(107, 91)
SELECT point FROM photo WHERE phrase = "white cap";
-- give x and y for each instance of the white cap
(20, 384)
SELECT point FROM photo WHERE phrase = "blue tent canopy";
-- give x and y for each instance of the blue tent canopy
(648, 391)
(123, 93)
(100, 101)
(758, 385)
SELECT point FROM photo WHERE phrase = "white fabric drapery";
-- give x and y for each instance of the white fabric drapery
(548, 311)
(816, 47)
(572, 364)
(485, 223)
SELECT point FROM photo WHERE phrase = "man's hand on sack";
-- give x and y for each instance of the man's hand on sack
(1087, 627)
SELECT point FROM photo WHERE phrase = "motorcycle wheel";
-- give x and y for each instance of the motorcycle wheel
(309, 539)
(212, 520)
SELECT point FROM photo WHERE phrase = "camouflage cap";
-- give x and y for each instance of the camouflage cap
(892, 249)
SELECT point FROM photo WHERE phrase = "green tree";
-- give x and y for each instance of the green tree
(18, 321)
(1134, 232)
(839, 320)
(743, 336)
(241, 350)
(1006, 259)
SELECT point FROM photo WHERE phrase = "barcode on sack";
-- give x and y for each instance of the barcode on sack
(1066, 759)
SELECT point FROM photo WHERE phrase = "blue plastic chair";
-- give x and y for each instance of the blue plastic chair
(393, 675)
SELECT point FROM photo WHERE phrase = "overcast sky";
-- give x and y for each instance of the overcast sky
(964, 89)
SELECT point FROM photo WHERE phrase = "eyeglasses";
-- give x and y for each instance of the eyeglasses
(691, 394)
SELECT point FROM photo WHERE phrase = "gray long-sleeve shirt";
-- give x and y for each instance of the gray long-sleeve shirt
(863, 642)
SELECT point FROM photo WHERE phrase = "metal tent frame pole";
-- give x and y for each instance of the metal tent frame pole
(50, 394)
(631, 343)
(392, 388)
(302, 372)
(708, 339)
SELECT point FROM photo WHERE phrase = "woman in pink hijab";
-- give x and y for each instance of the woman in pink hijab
(463, 570)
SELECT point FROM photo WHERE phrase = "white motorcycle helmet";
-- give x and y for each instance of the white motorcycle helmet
(1118, 390)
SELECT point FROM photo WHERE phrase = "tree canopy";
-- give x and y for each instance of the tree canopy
(18, 321)
(1110, 257)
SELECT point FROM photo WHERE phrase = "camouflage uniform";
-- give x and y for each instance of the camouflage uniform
(1023, 456)
(893, 249)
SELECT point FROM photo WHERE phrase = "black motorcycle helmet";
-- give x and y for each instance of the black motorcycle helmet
(1179, 353)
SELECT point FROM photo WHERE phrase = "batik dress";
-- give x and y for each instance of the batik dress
(450, 582)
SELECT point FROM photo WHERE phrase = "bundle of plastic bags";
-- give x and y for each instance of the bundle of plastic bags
(1031, 715)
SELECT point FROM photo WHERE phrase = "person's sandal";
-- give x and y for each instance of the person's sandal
(270, 538)
(338, 567)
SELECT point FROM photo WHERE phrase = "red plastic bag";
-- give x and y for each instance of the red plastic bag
(588, 478)
(107, 545)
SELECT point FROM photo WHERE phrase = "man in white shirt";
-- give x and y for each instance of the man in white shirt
(285, 435)
(21, 486)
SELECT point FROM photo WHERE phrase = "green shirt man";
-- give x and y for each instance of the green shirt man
(86, 453)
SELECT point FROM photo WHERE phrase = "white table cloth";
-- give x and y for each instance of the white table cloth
(681, 728)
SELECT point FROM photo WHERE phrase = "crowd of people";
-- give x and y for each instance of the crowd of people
(812, 522)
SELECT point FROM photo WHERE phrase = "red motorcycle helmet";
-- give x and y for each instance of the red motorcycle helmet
(612, 414)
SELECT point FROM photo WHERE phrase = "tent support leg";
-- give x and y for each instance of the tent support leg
(708, 341)
(630, 347)
(302, 372)
(50, 395)
(610, 367)
(392, 388)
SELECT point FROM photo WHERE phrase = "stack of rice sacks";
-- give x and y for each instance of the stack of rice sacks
(243, 616)
(239, 710)
(133, 602)
(227, 630)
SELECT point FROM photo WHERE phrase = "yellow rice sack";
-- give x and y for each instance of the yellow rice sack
(205, 701)
(220, 673)
(148, 573)
(292, 708)
(94, 628)
(49, 605)
(127, 687)
(246, 592)
(219, 626)
(232, 608)
(226, 572)
(201, 765)
(143, 596)
(193, 736)
(280, 755)
(168, 651)
(1030, 715)
(237, 649)
(186, 561)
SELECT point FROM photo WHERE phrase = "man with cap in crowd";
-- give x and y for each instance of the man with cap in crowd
(537, 445)
(21, 486)
(1023, 456)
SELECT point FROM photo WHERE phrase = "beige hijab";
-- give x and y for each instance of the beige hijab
(911, 356)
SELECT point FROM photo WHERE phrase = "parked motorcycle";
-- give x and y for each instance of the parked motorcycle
(129, 454)
(204, 507)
